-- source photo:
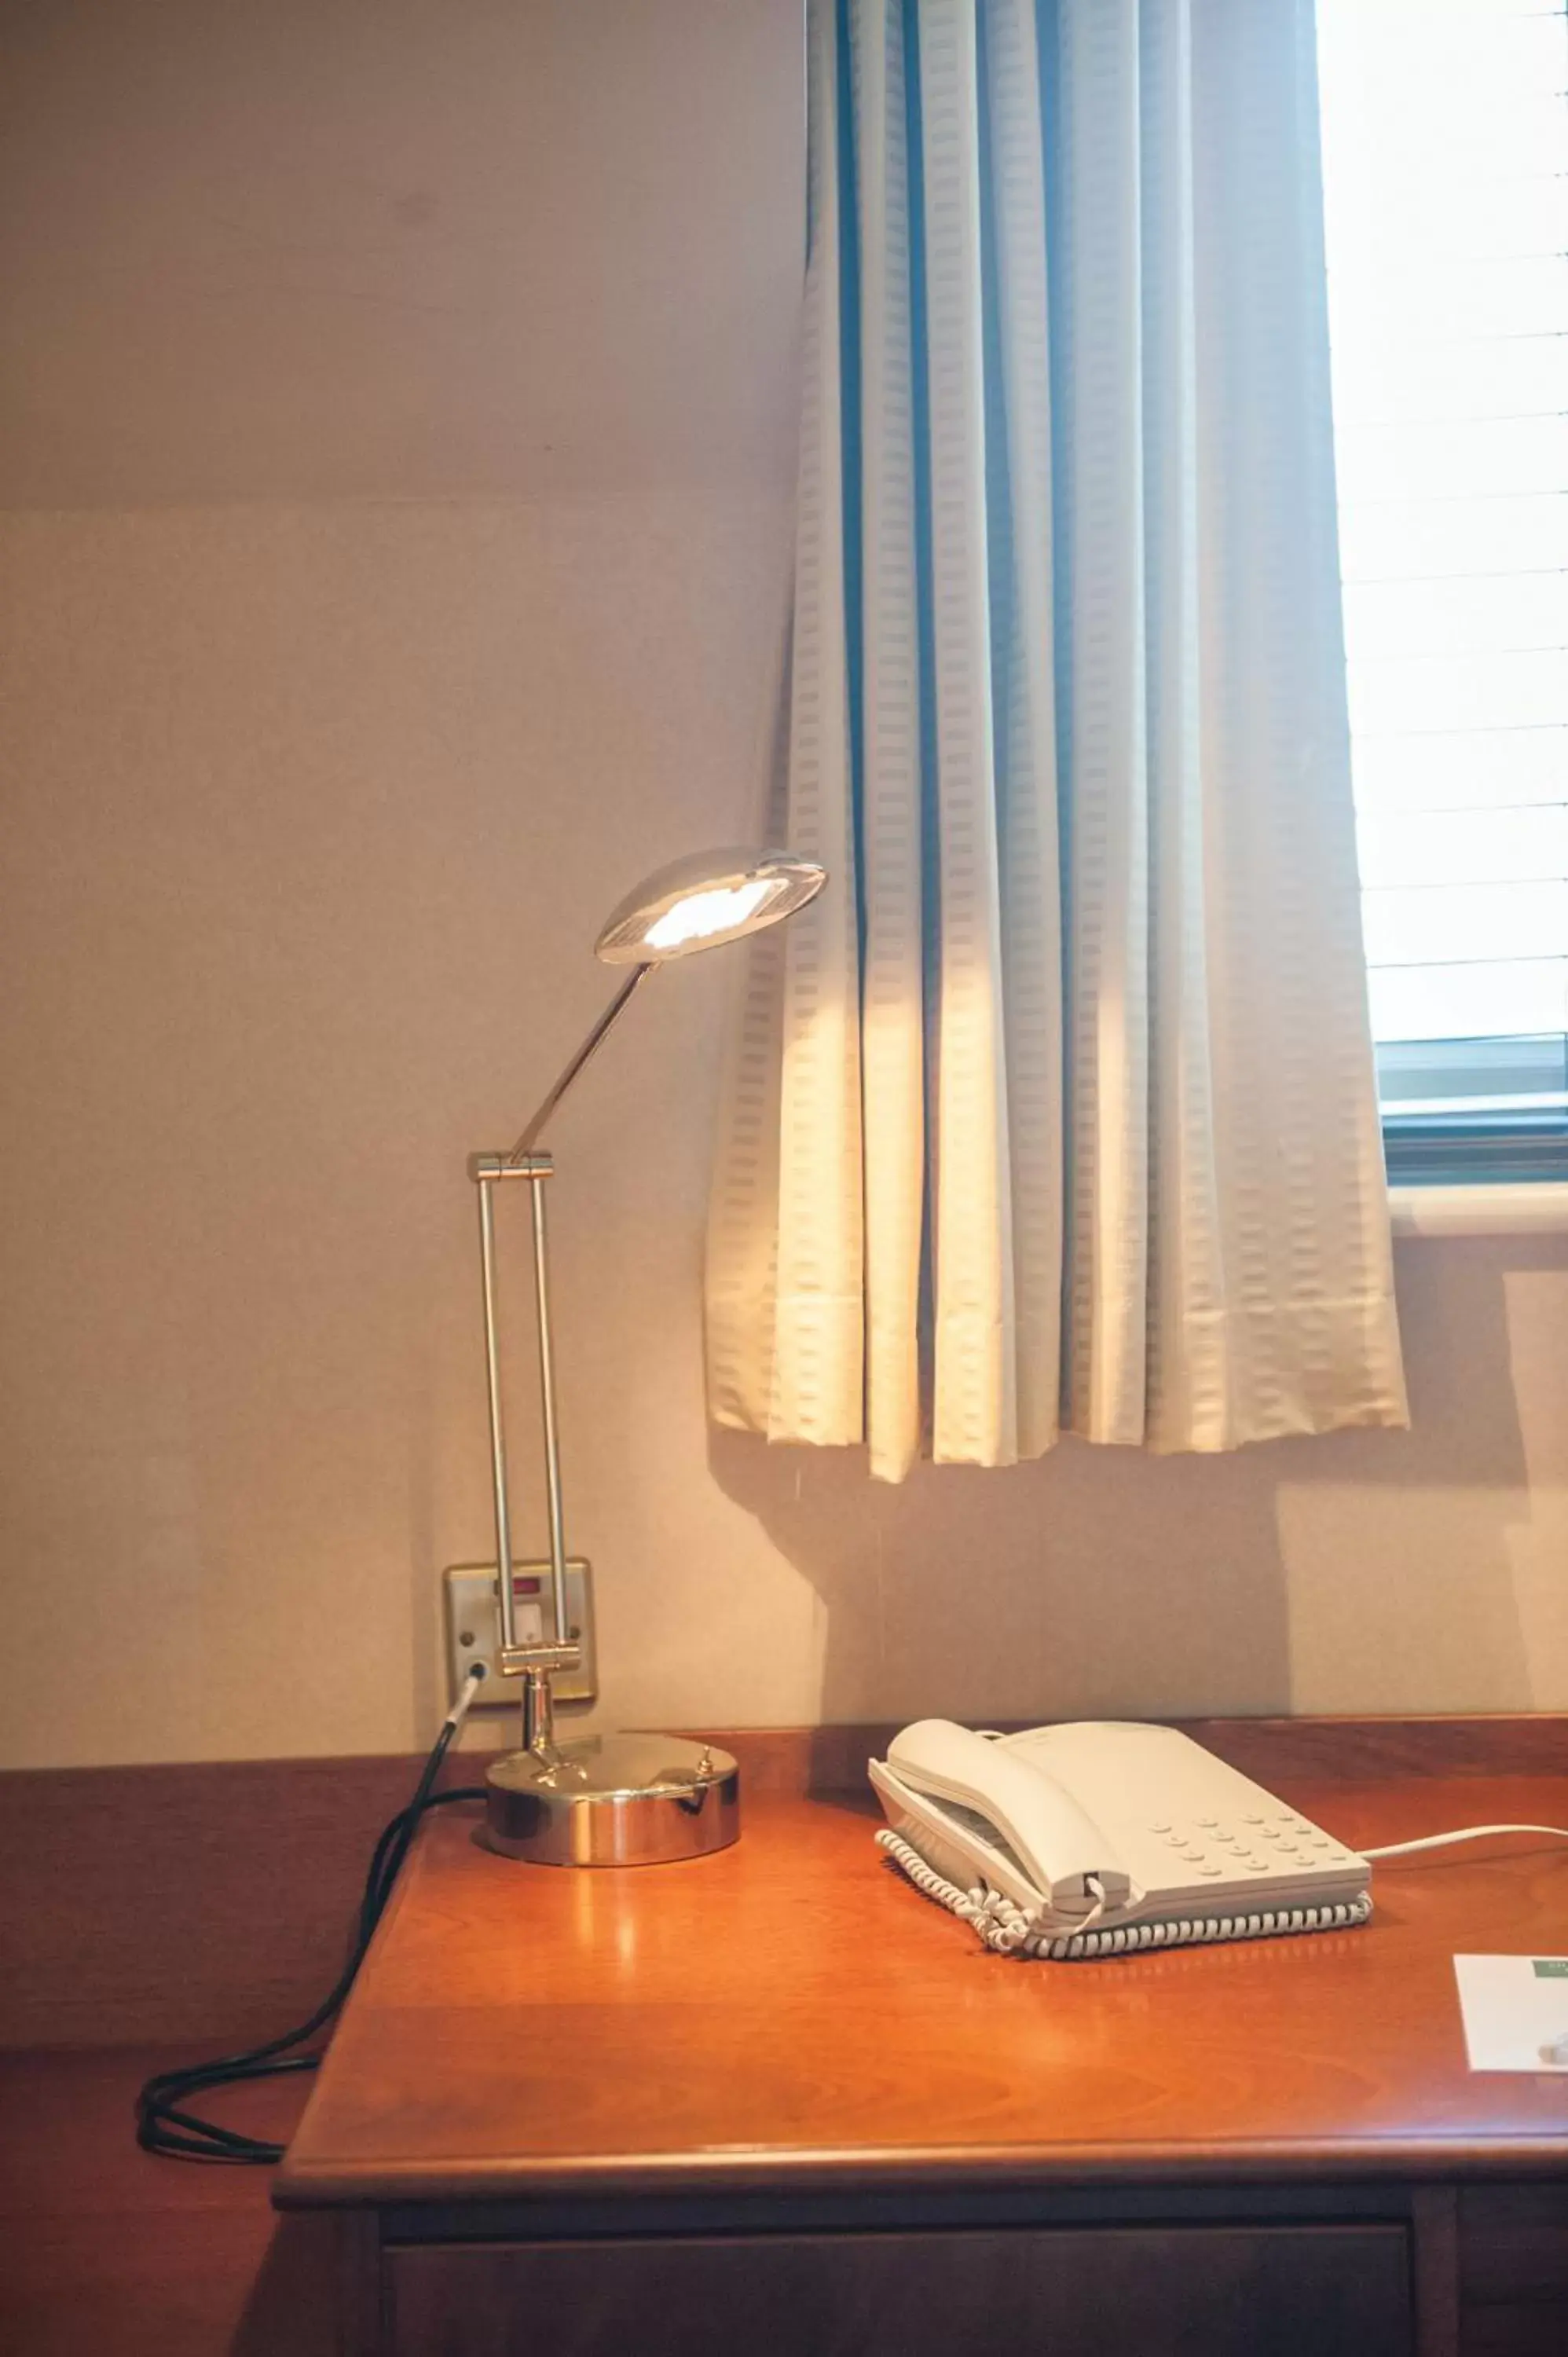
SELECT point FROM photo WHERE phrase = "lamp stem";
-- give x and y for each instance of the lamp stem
(538, 1713)
(547, 1395)
(589, 1049)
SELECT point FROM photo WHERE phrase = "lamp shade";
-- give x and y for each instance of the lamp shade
(708, 898)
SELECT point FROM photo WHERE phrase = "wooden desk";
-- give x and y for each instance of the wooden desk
(775, 2101)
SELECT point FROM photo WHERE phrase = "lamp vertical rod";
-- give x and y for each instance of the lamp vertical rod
(497, 1437)
(547, 1397)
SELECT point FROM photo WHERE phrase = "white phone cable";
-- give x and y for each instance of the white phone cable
(1465, 1832)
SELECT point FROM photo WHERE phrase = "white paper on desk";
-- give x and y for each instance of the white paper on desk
(1515, 2009)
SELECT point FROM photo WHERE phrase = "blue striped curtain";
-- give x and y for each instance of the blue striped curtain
(1057, 1109)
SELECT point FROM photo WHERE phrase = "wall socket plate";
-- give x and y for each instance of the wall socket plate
(473, 1627)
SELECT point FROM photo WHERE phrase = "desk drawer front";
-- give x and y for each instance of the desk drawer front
(1513, 2270)
(1223, 2291)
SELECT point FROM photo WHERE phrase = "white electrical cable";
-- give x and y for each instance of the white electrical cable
(1465, 1832)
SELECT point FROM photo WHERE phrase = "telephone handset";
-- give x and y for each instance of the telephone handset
(1097, 1839)
(1043, 1845)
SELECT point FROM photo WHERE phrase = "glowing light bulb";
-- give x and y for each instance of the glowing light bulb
(702, 913)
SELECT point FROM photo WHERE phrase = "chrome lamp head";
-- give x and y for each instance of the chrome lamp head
(701, 901)
(609, 1799)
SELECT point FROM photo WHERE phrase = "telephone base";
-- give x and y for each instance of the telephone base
(1003, 1925)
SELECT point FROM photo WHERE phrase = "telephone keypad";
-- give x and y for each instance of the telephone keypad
(1284, 1844)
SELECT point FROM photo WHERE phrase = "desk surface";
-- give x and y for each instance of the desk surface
(792, 2014)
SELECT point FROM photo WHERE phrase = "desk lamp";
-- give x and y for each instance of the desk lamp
(609, 1799)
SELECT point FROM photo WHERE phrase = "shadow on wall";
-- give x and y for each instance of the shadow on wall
(1362, 1571)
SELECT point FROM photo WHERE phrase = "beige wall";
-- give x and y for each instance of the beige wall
(395, 447)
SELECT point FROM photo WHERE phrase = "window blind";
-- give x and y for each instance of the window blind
(1446, 185)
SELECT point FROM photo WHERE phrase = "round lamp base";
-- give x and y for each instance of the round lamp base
(613, 1800)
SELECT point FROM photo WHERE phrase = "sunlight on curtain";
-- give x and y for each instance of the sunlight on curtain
(1056, 1108)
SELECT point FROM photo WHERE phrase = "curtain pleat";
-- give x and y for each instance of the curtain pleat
(819, 1310)
(973, 1391)
(893, 1008)
(786, 1313)
(1056, 1108)
(1018, 456)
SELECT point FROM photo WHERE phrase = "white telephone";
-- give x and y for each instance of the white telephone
(1095, 1840)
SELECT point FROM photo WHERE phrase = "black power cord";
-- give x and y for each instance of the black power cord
(165, 2126)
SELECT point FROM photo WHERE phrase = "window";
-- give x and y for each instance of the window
(1446, 185)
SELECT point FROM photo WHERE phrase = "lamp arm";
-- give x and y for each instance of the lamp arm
(589, 1049)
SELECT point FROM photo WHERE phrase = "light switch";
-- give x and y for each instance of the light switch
(473, 1633)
